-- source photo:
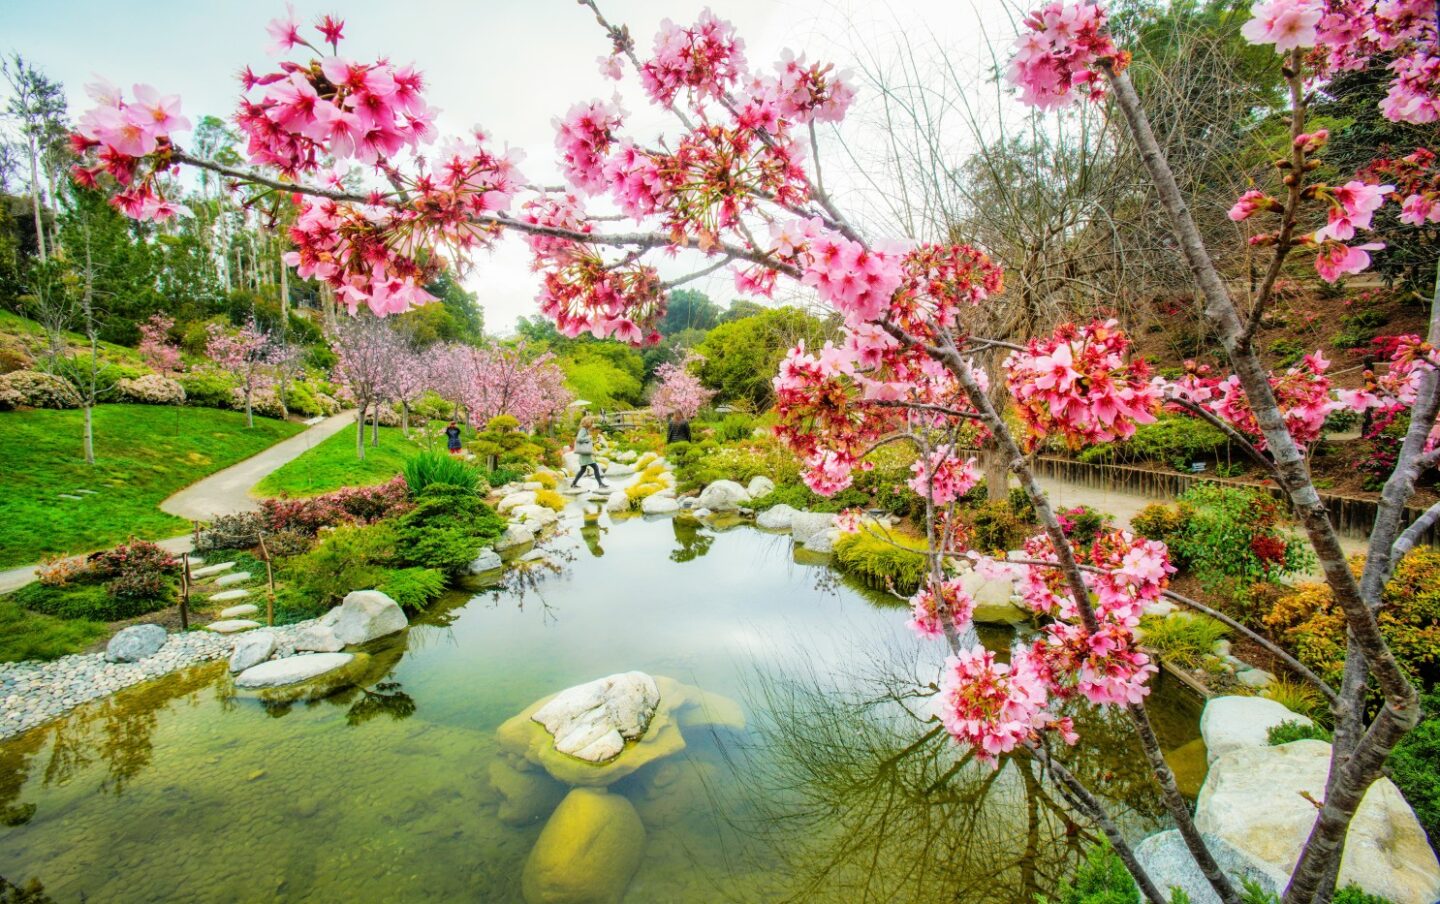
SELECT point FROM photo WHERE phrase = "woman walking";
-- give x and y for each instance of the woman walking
(585, 451)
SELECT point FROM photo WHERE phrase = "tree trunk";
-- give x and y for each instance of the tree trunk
(360, 432)
(89, 436)
(375, 426)
(35, 198)
(997, 473)
(249, 412)
(284, 334)
(404, 417)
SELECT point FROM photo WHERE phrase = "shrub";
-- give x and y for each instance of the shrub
(546, 479)
(1415, 767)
(59, 570)
(499, 477)
(429, 468)
(287, 543)
(639, 490)
(151, 389)
(1234, 538)
(446, 529)
(1299, 697)
(1309, 622)
(348, 558)
(264, 402)
(413, 588)
(1354, 894)
(734, 427)
(550, 499)
(361, 504)
(1082, 523)
(137, 570)
(38, 389)
(1100, 879)
(238, 531)
(1184, 639)
(883, 558)
(799, 496)
(207, 388)
(87, 601)
(1171, 438)
(1295, 730)
(1158, 521)
(994, 527)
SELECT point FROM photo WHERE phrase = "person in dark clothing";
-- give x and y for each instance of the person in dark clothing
(677, 431)
(452, 438)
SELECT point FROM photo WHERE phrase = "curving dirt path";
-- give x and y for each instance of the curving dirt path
(222, 493)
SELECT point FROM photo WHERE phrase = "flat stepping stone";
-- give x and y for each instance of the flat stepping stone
(239, 611)
(238, 577)
(86, 492)
(225, 595)
(71, 497)
(292, 669)
(211, 569)
(232, 626)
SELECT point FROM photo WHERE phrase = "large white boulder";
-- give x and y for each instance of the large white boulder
(526, 497)
(592, 721)
(538, 515)
(364, 616)
(804, 525)
(292, 669)
(824, 541)
(759, 485)
(777, 517)
(617, 501)
(994, 598)
(659, 504)
(1230, 723)
(515, 535)
(251, 650)
(723, 496)
(135, 643)
(1169, 865)
(1259, 799)
(318, 638)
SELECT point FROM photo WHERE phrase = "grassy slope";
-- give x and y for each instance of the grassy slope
(332, 464)
(143, 454)
(30, 635)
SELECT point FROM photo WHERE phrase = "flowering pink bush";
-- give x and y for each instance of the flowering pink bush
(352, 504)
(155, 345)
(680, 392)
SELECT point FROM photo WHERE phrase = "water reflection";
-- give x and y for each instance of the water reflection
(691, 540)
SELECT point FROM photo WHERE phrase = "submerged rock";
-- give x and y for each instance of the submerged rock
(587, 852)
(593, 721)
(525, 795)
(1189, 764)
(1259, 799)
(995, 601)
(136, 643)
(1230, 723)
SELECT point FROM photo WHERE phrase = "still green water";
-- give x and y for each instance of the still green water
(180, 791)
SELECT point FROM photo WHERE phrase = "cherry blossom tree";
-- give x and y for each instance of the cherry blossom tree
(680, 392)
(508, 380)
(247, 353)
(741, 186)
(409, 376)
(363, 347)
(155, 346)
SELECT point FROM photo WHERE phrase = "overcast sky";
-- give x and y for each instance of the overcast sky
(508, 66)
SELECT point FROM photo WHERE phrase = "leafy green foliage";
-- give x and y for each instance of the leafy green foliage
(1184, 639)
(1234, 538)
(799, 496)
(1354, 894)
(606, 374)
(1415, 767)
(1172, 438)
(413, 588)
(501, 476)
(351, 557)
(1295, 730)
(332, 464)
(1298, 696)
(883, 558)
(446, 529)
(1101, 878)
(429, 468)
(144, 453)
(742, 356)
(994, 527)
(87, 601)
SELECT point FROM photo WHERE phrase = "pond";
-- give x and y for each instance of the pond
(180, 791)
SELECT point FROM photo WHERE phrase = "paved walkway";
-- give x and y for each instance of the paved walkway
(223, 493)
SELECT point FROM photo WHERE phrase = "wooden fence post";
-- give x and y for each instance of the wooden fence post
(184, 591)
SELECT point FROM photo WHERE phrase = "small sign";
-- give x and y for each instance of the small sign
(1197, 467)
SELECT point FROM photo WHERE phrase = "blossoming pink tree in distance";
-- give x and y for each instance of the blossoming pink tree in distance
(155, 347)
(364, 362)
(248, 353)
(740, 185)
(679, 393)
(500, 380)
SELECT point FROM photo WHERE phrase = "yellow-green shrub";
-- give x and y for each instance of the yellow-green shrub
(550, 499)
(882, 557)
(544, 478)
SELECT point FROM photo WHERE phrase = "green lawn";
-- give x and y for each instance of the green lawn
(143, 454)
(332, 464)
(30, 635)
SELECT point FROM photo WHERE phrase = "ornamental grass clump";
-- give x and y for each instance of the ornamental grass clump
(883, 558)
(1183, 638)
(429, 468)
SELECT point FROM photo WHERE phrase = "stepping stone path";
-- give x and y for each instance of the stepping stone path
(232, 625)
(71, 497)
(86, 492)
(227, 595)
(279, 672)
(239, 611)
(226, 580)
(208, 570)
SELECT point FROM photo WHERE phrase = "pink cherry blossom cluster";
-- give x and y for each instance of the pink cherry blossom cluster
(118, 134)
(1058, 56)
(1409, 358)
(1417, 185)
(799, 92)
(680, 393)
(936, 601)
(155, 346)
(584, 138)
(367, 112)
(994, 707)
(340, 245)
(509, 381)
(1354, 33)
(943, 476)
(1303, 393)
(1078, 384)
(706, 58)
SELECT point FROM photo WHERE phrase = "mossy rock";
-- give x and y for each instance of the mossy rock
(525, 796)
(697, 708)
(587, 852)
(1188, 762)
(321, 686)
